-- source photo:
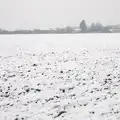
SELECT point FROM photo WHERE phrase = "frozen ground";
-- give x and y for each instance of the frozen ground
(60, 77)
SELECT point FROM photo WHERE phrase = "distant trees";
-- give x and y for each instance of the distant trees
(99, 28)
(36, 31)
(69, 29)
(106, 30)
(92, 27)
(96, 27)
(83, 26)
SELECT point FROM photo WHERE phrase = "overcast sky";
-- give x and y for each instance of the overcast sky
(28, 14)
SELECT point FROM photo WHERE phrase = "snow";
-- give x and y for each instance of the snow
(60, 77)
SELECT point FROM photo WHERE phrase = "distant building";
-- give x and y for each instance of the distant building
(114, 28)
(76, 30)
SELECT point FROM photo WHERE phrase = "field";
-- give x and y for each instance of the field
(60, 77)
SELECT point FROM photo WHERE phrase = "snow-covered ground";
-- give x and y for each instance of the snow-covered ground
(60, 77)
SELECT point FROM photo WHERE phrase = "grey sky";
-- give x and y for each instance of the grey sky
(17, 14)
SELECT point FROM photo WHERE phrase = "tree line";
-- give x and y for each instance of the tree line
(82, 28)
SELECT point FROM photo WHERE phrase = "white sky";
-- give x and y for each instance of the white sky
(27, 14)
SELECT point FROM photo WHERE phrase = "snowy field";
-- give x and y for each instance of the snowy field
(60, 77)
